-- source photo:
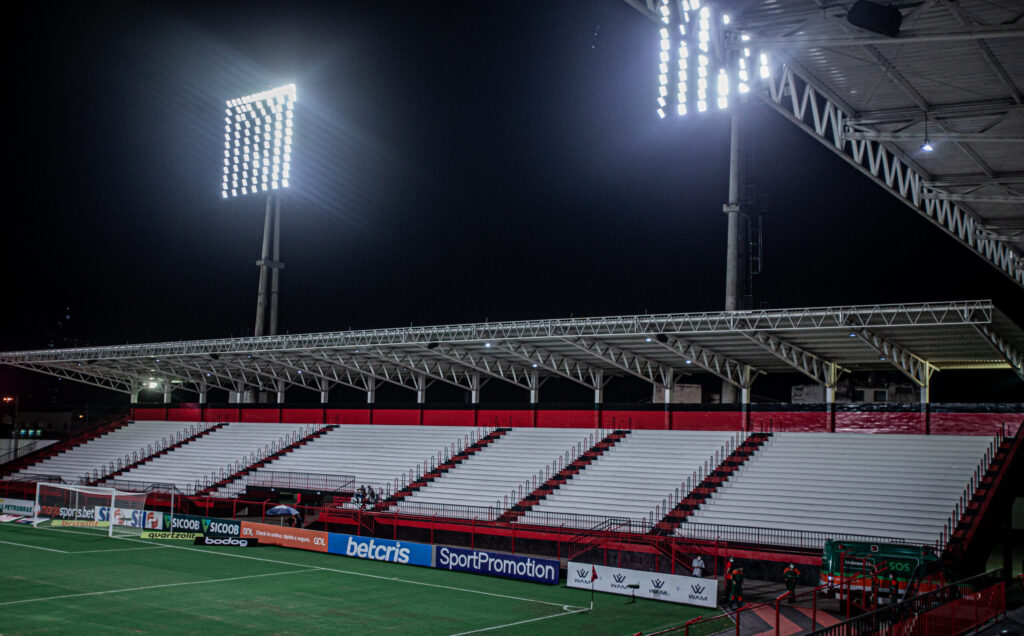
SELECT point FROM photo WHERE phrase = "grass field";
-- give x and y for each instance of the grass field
(75, 580)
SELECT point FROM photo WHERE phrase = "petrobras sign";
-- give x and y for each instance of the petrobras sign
(509, 566)
(673, 588)
(131, 518)
(16, 506)
(381, 549)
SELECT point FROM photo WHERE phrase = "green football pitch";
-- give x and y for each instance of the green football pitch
(79, 581)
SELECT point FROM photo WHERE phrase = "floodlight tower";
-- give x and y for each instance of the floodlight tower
(257, 160)
(706, 64)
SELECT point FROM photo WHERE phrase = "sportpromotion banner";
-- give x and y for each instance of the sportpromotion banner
(674, 588)
(509, 566)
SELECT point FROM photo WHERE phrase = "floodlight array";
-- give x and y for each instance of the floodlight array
(258, 142)
(692, 28)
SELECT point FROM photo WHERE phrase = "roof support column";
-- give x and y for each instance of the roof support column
(325, 392)
(534, 383)
(474, 391)
(203, 393)
(371, 390)
(421, 389)
(136, 389)
(168, 389)
(598, 387)
(280, 391)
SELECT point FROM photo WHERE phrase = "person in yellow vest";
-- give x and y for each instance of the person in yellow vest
(791, 576)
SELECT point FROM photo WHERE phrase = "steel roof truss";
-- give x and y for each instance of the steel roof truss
(734, 372)
(913, 366)
(424, 366)
(1010, 353)
(817, 368)
(568, 368)
(627, 361)
(487, 365)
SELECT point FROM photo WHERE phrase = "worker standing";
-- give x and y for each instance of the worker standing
(736, 594)
(791, 575)
(697, 565)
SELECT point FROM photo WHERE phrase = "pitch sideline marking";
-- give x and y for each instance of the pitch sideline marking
(529, 620)
(156, 547)
(150, 587)
(35, 547)
(337, 570)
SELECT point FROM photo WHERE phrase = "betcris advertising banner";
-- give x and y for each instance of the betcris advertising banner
(267, 534)
(375, 549)
(132, 518)
(674, 588)
(509, 566)
(202, 525)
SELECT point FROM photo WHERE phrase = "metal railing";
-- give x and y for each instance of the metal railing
(980, 599)
(447, 511)
(302, 481)
(788, 538)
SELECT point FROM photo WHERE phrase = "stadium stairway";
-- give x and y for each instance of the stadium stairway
(706, 488)
(428, 477)
(974, 514)
(558, 479)
(302, 441)
(149, 458)
(102, 428)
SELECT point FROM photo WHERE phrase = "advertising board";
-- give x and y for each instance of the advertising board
(164, 535)
(202, 525)
(286, 537)
(375, 549)
(509, 566)
(673, 588)
(131, 518)
(231, 542)
(16, 506)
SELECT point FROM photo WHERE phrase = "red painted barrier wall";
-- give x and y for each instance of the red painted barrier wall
(800, 422)
(408, 417)
(185, 413)
(462, 417)
(707, 421)
(974, 423)
(348, 416)
(895, 422)
(302, 416)
(656, 420)
(261, 415)
(505, 418)
(567, 419)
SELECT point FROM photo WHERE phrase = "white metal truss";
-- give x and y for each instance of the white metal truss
(496, 368)
(815, 367)
(1010, 353)
(655, 348)
(913, 366)
(623, 360)
(825, 117)
(560, 365)
(736, 373)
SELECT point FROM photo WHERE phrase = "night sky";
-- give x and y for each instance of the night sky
(453, 162)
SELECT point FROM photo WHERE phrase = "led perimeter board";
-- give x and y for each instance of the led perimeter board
(258, 142)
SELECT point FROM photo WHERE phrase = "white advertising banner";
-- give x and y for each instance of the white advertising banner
(16, 506)
(674, 588)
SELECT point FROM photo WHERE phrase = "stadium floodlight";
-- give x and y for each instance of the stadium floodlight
(258, 142)
(258, 131)
(714, 38)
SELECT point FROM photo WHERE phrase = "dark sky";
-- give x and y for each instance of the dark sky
(453, 162)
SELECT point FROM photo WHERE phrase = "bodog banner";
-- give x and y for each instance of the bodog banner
(286, 537)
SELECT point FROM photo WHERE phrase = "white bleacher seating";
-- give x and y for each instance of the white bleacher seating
(196, 460)
(98, 453)
(898, 486)
(489, 475)
(374, 455)
(632, 477)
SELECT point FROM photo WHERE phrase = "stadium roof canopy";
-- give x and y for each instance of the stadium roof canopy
(822, 343)
(954, 74)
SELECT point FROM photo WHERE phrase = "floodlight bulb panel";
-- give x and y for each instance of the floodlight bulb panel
(258, 121)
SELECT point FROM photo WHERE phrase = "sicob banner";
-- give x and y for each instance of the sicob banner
(674, 588)
(203, 525)
(509, 566)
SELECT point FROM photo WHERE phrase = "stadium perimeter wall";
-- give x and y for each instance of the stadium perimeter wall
(934, 419)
